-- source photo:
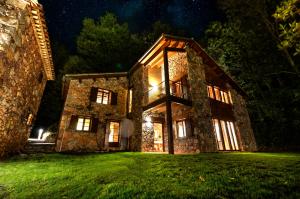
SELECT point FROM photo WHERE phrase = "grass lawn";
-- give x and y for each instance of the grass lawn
(139, 175)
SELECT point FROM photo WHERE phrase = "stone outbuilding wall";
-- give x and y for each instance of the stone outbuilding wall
(22, 75)
(78, 103)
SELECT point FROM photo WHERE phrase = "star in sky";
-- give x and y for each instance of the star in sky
(64, 17)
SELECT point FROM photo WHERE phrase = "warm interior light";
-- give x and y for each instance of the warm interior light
(40, 134)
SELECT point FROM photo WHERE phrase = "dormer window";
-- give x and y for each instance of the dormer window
(218, 94)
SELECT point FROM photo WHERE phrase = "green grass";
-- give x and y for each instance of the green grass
(138, 175)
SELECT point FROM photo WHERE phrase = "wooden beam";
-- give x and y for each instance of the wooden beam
(156, 53)
(168, 105)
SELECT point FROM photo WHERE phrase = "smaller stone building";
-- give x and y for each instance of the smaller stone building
(175, 99)
(25, 66)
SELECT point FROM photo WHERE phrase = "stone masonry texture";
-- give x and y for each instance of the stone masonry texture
(22, 76)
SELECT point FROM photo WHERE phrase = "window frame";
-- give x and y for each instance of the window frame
(183, 121)
(224, 95)
(83, 124)
(229, 131)
(119, 132)
(102, 91)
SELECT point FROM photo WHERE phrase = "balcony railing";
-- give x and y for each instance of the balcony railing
(177, 89)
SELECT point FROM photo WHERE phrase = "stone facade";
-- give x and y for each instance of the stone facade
(192, 113)
(78, 103)
(22, 75)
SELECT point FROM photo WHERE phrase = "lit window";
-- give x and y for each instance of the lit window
(218, 134)
(158, 129)
(181, 129)
(218, 94)
(130, 101)
(83, 124)
(103, 96)
(210, 92)
(114, 128)
(225, 135)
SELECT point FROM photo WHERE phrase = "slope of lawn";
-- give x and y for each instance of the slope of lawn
(139, 175)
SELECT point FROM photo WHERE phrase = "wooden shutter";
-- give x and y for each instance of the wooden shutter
(95, 122)
(114, 98)
(93, 94)
(73, 122)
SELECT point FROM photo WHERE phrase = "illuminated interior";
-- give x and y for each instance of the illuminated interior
(83, 124)
(114, 128)
(225, 135)
(177, 63)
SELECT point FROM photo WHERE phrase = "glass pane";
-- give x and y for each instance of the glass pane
(99, 97)
(218, 134)
(105, 98)
(79, 124)
(226, 97)
(181, 129)
(158, 137)
(230, 136)
(222, 96)
(87, 124)
(230, 99)
(217, 92)
(113, 132)
(225, 135)
(210, 92)
(130, 101)
(234, 136)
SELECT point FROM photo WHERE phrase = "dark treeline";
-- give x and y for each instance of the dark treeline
(257, 43)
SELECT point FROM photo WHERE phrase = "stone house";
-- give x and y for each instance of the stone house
(175, 99)
(25, 66)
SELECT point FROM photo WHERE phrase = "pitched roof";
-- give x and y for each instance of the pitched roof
(166, 40)
(41, 33)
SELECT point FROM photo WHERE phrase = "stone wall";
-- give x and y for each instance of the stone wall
(78, 103)
(203, 128)
(22, 77)
(243, 124)
(138, 81)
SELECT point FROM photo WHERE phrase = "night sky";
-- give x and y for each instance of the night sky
(64, 17)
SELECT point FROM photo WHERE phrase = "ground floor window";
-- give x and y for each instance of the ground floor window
(158, 133)
(114, 131)
(83, 124)
(181, 129)
(225, 135)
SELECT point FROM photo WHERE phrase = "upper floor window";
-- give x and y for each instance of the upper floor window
(218, 94)
(103, 96)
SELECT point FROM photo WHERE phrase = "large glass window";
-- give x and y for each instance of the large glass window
(225, 135)
(218, 94)
(83, 124)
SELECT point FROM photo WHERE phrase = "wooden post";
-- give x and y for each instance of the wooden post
(168, 105)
